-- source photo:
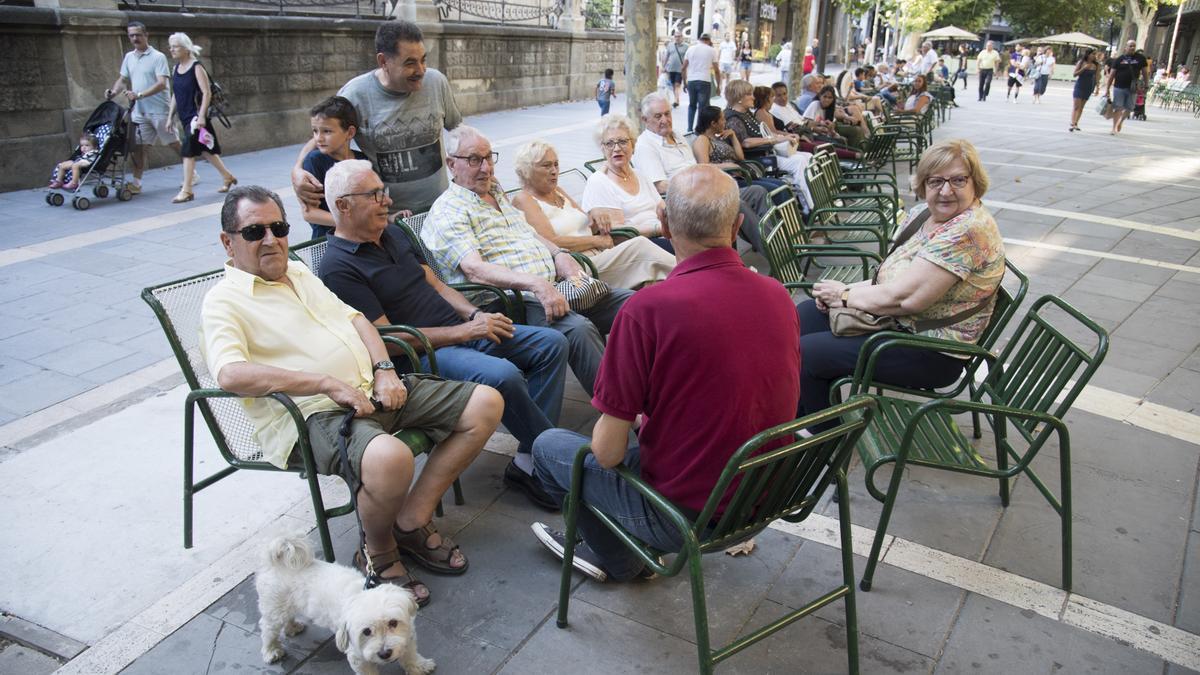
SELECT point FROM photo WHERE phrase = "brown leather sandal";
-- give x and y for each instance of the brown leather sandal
(415, 544)
(380, 563)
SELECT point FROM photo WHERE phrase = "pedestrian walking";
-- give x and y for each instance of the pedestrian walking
(746, 56)
(961, 71)
(1085, 84)
(1127, 72)
(605, 90)
(1045, 69)
(672, 64)
(700, 68)
(1016, 74)
(191, 94)
(986, 64)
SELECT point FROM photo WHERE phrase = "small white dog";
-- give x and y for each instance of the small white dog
(372, 626)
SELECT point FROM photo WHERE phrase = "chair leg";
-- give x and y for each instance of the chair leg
(1002, 458)
(564, 587)
(843, 492)
(314, 489)
(189, 422)
(699, 608)
(889, 501)
(458, 493)
(1065, 512)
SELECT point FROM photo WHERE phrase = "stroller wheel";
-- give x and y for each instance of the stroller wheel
(81, 203)
(56, 198)
(125, 194)
(49, 199)
(101, 191)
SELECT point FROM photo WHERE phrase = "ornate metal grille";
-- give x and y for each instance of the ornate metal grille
(500, 12)
(355, 8)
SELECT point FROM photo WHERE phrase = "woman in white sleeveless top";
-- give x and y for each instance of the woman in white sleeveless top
(629, 264)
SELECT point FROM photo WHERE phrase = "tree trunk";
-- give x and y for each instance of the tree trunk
(640, 45)
(800, 12)
(1143, 18)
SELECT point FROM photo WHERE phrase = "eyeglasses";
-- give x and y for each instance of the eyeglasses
(474, 160)
(616, 143)
(257, 231)
(378, 193)
(935, 183)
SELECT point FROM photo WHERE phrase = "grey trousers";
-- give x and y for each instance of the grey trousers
(755, 203)
(585, 332)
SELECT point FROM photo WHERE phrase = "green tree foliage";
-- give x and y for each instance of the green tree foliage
(1036, 17)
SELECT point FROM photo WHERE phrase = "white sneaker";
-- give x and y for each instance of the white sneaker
(556, 541)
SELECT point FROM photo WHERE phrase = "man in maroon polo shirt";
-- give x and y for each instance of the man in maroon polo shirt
(708, 357)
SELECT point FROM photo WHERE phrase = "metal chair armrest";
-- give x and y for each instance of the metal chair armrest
(426, 345)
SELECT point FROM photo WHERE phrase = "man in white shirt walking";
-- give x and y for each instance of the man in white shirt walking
(700, 69)
(727, 51)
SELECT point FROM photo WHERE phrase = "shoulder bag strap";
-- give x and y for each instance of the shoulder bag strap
(906, 234)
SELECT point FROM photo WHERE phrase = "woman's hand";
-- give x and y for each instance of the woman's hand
(602, 241)
(820, 305)
(604, 220)
(829, 293)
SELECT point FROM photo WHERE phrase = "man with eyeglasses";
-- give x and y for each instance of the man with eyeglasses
(143, 81)
(270, 326)
(374, 267)
(403, 107)
(475, 234)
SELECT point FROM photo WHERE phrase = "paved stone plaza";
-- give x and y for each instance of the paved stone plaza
(91, 421)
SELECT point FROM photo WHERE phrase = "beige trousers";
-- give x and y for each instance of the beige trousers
(632, 263)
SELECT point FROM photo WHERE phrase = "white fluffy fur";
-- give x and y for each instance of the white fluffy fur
(372, 627)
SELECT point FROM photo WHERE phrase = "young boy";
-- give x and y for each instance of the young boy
(334, 123)
(605, 90)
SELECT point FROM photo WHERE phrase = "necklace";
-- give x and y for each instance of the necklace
(554, 199)
(623, 177)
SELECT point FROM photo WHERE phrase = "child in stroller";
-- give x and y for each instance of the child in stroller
(1139, 105)
(86, 155)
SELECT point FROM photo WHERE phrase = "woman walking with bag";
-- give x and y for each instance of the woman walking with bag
(1085, 84)
(191, 94)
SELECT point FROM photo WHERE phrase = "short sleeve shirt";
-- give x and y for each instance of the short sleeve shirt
(987, 59)
(675, 55)
(968, 246)
(402, 135)
(385, 280)
(700, 58)
(143, 69)
(1127, 68)
(461, 222)
(319, 164)
(659, 159)
(696, 416)
(245, 318)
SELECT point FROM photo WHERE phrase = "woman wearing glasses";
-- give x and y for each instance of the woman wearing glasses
(618, 195)
(631, 263)
(939, 282)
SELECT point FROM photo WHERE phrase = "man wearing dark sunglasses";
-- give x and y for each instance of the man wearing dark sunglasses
(372, 266)
(271, 326)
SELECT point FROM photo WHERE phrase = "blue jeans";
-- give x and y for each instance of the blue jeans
(527, 369)
(826, 358)
(603, 106)
(585, 332)
(699, 91)
(553, 457)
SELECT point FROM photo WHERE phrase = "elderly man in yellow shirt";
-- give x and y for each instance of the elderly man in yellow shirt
(271, 326)
(986, 63)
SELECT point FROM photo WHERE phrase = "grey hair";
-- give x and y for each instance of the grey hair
(702, 214)
(458, 135)
(339, 179)
(527, 156)
(652, 97)
(806, 81)
(614, 121)
(184, 41)
(927, 43)
(252, 193)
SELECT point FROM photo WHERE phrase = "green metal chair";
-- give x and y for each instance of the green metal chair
(177, 305)
(773, 475)
(1029, 388)
(798, 263)
(869, 223)
(592, 164)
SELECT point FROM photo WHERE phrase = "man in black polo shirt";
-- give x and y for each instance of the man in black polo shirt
(1125, 73)
(373, 267)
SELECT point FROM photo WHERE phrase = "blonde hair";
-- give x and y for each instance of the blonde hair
(615, 121)
(527, 156)
(943, 153)
(736, 89)
(184, 41)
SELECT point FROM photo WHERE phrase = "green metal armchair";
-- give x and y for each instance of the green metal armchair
(1029, 388)
(764, 484)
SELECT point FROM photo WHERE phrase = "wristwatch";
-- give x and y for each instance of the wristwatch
(845, 297)
(383, 365)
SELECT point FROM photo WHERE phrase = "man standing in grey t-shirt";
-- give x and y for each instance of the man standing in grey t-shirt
(143, 79)
(402, 108)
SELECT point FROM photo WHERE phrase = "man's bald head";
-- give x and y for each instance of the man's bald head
(702, 206)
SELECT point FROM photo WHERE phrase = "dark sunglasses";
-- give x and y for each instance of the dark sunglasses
(257, 231)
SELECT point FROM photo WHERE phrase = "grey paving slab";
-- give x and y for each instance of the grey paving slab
(1156, 327)
(1008, 640)
(239, 651)
(1187, 616)
(186, 651)
(596, 636)
(734, 587)
(74, 358)
(1148, 359)
(20, 660)
(1179, 390)
(903, 609)
(1099, 306)
(34, 392)
(1120, 269)
(1122, 289)
(815, 645)
(1157, 247)
(13, 369)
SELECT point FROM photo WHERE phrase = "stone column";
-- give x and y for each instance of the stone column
(417, 11)
(800, 14)
(641, 41)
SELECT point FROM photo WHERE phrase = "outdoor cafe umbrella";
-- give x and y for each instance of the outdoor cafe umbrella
(1074, 39)
(950, 33)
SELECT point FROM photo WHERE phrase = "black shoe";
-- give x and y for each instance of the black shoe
(582, 559)
(532, 488)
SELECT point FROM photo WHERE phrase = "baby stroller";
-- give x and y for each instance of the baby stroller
(113, 128)
(1139, 106)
